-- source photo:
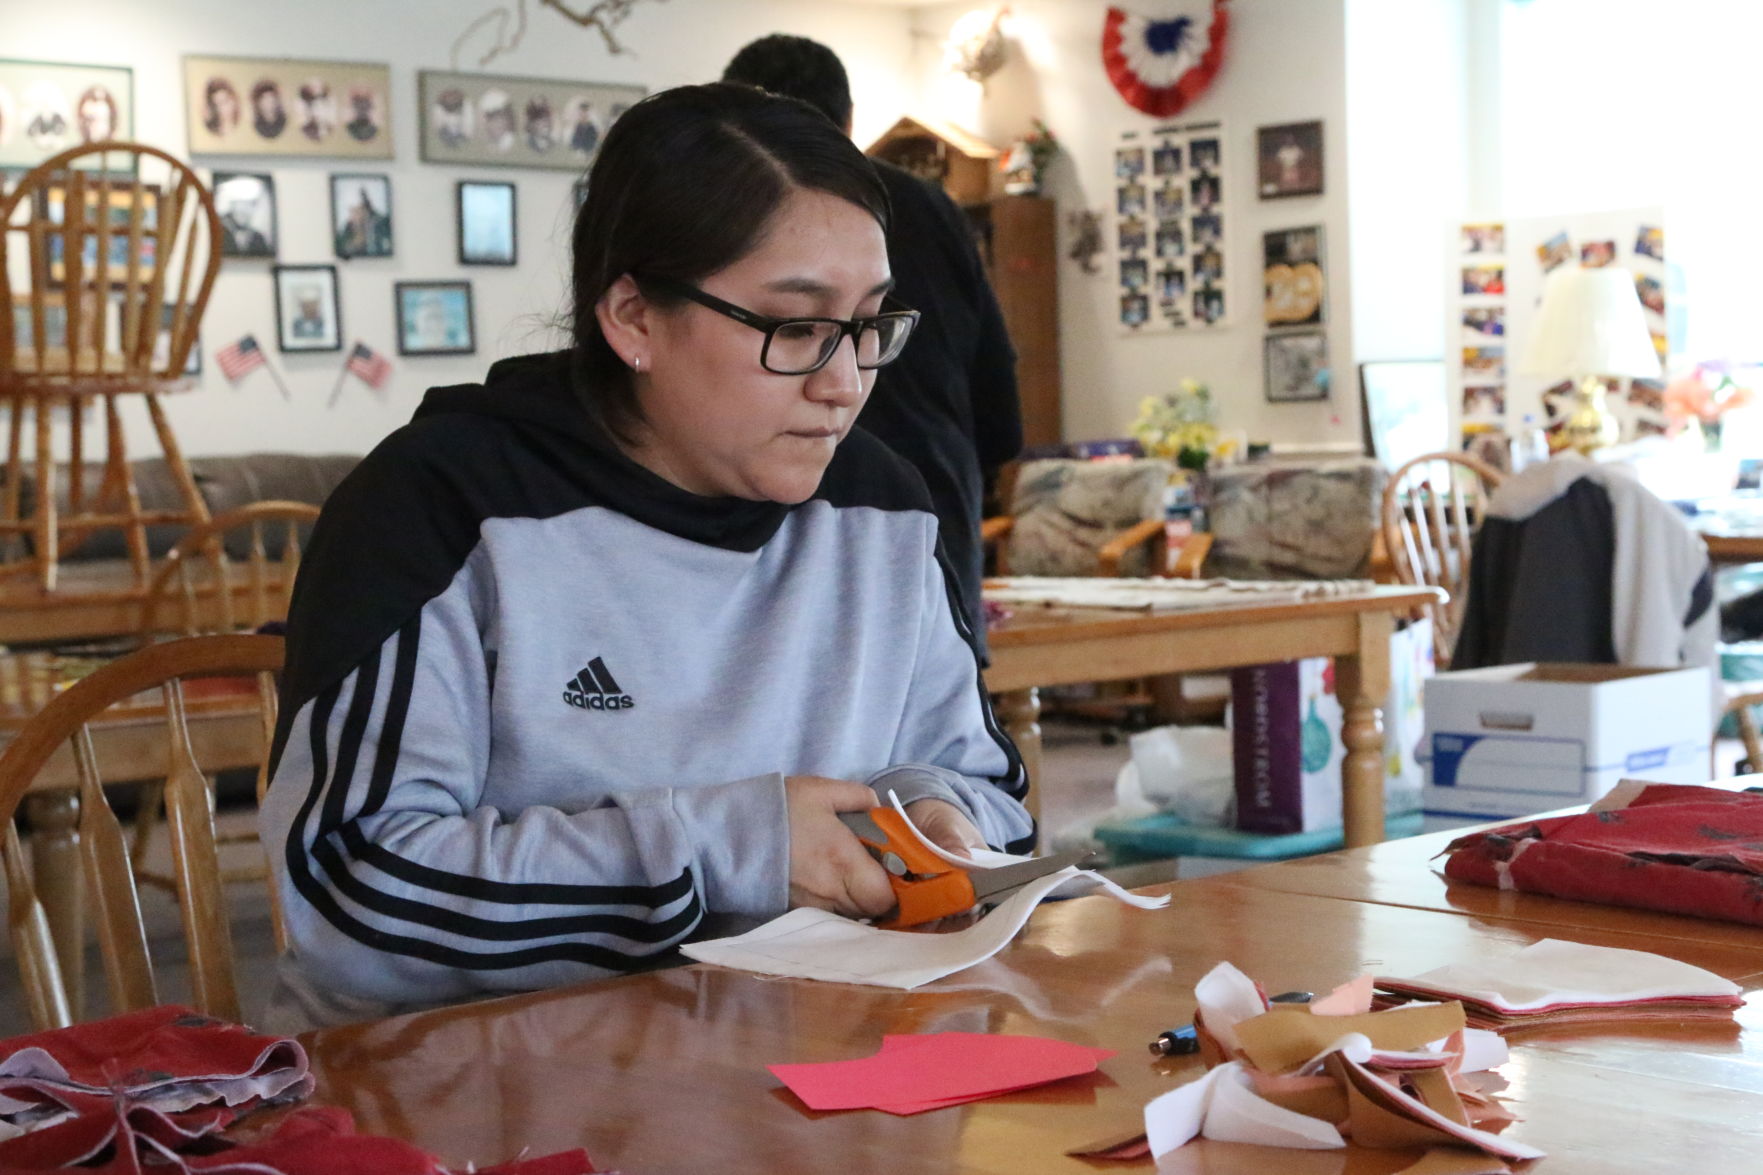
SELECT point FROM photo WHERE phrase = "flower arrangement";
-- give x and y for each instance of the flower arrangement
(1704, 397)
(1178, 425)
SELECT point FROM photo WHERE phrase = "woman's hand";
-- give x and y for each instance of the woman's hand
(829, 867)
(945, 826)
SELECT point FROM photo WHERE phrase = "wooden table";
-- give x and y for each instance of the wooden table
(665, 1072)
(1734, 546)
(95, 600)
(129, 743)
(1061, 646)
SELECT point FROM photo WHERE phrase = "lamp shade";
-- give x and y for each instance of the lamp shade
(1590, 323)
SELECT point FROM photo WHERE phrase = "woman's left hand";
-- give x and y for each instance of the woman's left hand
(945, 825)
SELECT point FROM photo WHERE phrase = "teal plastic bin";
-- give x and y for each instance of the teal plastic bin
(1155, 838)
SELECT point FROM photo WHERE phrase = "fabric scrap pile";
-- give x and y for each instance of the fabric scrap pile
(1311, 1076)
(151, 1093)
(1653, 846)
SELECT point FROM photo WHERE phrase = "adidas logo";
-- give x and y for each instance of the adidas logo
(594, 689)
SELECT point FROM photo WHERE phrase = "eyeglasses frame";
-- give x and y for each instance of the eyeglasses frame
(848, 327)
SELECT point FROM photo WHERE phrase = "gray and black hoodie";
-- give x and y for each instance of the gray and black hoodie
(539, 703)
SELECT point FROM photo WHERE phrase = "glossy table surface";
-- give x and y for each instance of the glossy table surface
(665, 1072)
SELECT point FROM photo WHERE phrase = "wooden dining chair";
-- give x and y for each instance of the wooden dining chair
(50, 956)
(1432, 506)
(233, 573)
(110, 251)
(200, 588)
(1743, 709)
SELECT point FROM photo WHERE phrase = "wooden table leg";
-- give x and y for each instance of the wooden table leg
(1020, 711)
(56, 872)
(1363, 682)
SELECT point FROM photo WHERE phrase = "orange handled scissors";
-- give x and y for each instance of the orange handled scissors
(926, 887)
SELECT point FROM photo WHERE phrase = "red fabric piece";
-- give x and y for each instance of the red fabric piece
(575, 1162)
(1680, 849)
(140, 1050)
(319, 1141)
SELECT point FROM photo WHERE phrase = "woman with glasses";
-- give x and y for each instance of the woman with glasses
(586, 660)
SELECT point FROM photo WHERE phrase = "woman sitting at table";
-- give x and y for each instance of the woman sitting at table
(586, 660)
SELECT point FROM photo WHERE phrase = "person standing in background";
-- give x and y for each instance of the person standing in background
(949, 404)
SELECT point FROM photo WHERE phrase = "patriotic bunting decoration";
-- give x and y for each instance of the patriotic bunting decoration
(1160, 65)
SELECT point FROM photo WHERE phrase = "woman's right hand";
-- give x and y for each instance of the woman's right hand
(829, 867)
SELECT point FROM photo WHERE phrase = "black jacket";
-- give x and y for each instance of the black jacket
(948, 404)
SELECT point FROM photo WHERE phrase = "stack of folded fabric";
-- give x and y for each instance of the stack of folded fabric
(1554, 982)
(154, 1090)
(1672, 847)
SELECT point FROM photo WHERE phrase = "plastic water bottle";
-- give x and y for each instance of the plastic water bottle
(1530, 446)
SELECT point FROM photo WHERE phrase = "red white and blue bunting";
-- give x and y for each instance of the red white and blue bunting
(1160, 65)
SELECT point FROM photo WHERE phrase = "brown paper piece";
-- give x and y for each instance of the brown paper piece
(1441, 1161)
(1315, 1097)
(1434, 1089)
(1275, 1041)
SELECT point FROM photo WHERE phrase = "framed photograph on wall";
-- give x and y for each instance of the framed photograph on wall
(307, 315)
(1292, 277)
(245, 202)
(48, 106)
(1289, 160)
(516, 122)
(274, 106)
(486, 221)
(361, 215)
(52, 206)
(434, 318)
(1296, 366)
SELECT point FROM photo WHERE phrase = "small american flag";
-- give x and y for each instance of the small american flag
(373, 368)
(239, 359)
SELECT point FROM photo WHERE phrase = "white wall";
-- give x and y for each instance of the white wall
(674, 42)
(1407, 160)
(1282, 64)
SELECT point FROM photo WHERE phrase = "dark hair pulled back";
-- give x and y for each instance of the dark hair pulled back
(686, 184)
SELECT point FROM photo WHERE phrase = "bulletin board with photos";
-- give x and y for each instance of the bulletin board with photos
(1169, 216)
(1498, 275)
(271, 106)
(516, 122)
(46, 107)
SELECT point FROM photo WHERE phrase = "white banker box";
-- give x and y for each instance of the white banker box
(1514, 740)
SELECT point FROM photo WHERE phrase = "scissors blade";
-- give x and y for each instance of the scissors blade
(988, 883)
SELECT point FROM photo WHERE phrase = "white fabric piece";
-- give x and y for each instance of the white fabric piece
(1164, 595)
(1552, 972)
(1223, 1105)
(1483, 1050)
(816, 944)
(1226, 996)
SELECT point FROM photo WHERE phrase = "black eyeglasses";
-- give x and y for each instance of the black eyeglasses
(798, 346)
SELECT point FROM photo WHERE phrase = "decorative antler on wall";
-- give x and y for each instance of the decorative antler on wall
(509, 21)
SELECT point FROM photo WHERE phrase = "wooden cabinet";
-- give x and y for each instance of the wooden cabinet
(1018, 239)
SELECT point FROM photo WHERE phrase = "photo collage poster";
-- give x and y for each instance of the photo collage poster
(1169, 221)
(1499, 271)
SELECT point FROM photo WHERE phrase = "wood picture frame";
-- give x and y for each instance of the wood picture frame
(278, 106)
(500, 121)
(308, 311)
(48, 106)
(1289, 160)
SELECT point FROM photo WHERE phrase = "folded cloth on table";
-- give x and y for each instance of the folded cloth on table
(1671, 847)
(167, 1058)
(1553, 982)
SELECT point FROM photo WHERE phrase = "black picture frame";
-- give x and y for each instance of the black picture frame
(290, 334)
(411, 332)
(253, 232)
(1289, 160)
(485, 217)
(376, 236)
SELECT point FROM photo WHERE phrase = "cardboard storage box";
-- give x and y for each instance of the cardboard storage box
(1514, 740)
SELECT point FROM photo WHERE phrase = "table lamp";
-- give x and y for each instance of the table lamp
(1590, 327)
